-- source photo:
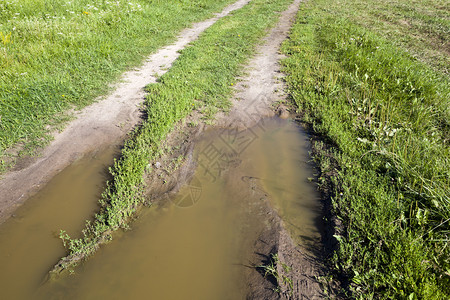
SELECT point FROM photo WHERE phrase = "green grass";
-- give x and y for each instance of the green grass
(57, 55)
(200, 79)
(420, 27)
(383, 113)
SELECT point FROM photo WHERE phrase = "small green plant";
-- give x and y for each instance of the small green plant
(193, 124)
(271, 269)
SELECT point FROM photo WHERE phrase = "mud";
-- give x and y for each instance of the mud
(261, 94)
(212, 238)
(29, 242)
(267, 168)
(105, 122)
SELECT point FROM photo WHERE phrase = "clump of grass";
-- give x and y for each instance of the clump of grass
(199, 79)
(58, 55)
(277, 269)
(385, 117)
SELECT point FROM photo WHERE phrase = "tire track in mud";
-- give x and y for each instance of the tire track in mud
(103, 123)
(257, 96)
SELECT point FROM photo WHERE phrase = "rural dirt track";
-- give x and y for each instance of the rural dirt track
(258, 95)
(103, 123)
(108, 121)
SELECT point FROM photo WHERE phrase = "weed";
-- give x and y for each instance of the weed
(281, 278)
(6, 38)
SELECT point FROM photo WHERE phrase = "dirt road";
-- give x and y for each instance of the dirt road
(104, 123)
(259, 94)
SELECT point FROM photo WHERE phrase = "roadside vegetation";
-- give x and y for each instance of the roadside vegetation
(371, 78)
(60, 55)
(420, 27)
(201, 79)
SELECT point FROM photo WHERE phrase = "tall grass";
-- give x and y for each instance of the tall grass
(420, 27)
(200, 79)
(386, 119)
(58, 54)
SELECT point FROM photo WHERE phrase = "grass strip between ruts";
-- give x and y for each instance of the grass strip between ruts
(59, 55)
(384, 154)
(202, 79)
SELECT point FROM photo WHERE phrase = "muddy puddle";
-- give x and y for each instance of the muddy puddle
(195, 245)
(28, 240)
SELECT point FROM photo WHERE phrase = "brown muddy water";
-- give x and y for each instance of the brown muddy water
(194, 246)
(29, 243)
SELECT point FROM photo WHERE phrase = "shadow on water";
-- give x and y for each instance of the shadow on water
(195, 246)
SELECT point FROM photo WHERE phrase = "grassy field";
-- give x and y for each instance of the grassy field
(371, 78)
(56, 55)
(201, 79)
(420, 27)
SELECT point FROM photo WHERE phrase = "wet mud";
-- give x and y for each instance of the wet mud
(210, 240)
(29, 243)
